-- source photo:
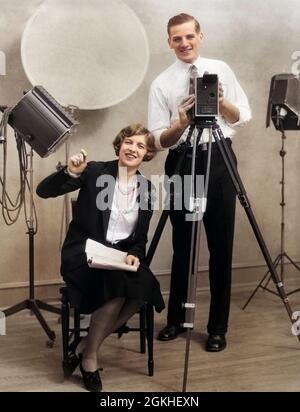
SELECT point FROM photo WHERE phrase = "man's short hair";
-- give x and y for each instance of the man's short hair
(183, 18)
(136, 129)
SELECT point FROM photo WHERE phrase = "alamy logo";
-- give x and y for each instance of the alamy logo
(174, 193)
(2, 324)
(2, 63)
(296, 64)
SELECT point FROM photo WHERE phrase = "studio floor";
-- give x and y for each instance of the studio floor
(262, 354)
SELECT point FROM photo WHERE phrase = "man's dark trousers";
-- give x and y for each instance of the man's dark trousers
(219, 227)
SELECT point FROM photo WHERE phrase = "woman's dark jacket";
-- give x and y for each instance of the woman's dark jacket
(88, 220)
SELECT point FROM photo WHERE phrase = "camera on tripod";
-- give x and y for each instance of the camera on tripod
(206, 97)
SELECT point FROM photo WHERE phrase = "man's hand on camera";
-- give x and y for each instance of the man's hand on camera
(230, 112)
(77, 163)
(183, 109)
(170, 136)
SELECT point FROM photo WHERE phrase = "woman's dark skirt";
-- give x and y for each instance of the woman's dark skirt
(91, 288)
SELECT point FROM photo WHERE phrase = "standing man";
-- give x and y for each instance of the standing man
(169, 103)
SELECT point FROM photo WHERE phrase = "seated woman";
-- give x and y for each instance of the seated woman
(109, 210)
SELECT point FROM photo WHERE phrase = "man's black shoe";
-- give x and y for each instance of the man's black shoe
(215, 343)
(170, 332)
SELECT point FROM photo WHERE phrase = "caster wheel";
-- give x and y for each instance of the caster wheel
(50, 343)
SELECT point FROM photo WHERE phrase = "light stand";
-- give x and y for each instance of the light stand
(284, 111)
(34, 305)
(43, 123)
(280, 259)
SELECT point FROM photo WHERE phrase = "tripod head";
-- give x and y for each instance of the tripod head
(204, 122)
(199, 123)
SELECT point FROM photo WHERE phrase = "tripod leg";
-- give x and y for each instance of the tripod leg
(276, 263)
(16, 308)
(191, 298)
(260, 285)
(40, 318)
(297, 267)
(156, 237)
(242, 195)
(255, 290)
(193, 265)
(292, 262)
(266, 285)
(293, 291)
(49, 308)
(164, 216)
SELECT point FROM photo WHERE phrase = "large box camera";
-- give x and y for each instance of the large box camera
(206, 96)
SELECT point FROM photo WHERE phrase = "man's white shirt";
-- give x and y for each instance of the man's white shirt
(172, 86)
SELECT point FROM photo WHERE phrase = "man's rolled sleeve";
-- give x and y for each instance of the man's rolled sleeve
(158, 114)
(157, 134)
(245, 117)
(236, 95)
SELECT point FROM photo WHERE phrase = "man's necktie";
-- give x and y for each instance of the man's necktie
(193, 75)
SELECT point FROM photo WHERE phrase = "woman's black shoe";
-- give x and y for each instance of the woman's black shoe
(91, 380)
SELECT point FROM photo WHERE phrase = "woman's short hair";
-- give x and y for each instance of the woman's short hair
(183, 18)
(136, 129)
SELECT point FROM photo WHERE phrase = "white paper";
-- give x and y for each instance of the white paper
(104, 257)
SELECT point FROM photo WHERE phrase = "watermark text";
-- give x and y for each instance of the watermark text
(296, 65)
(2, 63)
